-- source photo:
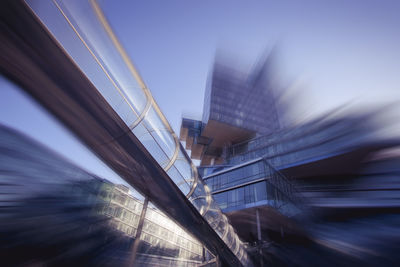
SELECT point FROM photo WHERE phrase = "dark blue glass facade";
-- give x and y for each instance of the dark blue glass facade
(241, 100)
(297, 145)
(243, 197)
(251, 185)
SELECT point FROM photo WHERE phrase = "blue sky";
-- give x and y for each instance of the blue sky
(339, 50)
(20, 112)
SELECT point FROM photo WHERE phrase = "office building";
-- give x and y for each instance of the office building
(71, 203)
(237, 106)
(271, 183)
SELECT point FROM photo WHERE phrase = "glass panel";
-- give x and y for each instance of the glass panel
(165, 243)
(160, 133)
(179, 180)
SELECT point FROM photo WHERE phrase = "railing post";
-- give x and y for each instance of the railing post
(136, 243)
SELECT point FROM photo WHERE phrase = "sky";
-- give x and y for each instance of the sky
(339, 51)
(21, 112)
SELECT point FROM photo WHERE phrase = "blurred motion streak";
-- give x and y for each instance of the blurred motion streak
(302, 192)
(273, 188)
(55, 213)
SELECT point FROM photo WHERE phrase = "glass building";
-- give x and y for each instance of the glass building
(71, 203)
(237, 106)
(264, 176)
(164, 211)
(242, 100)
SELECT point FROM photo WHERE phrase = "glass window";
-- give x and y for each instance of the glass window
(240, 196)
(221, 199)
(260, 191)
(248, 194)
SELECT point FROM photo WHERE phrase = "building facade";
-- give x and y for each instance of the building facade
(124, 209)
(271, 183)
(237, 106)
(69, 205)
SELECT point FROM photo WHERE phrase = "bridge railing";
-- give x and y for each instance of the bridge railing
(99, 54)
